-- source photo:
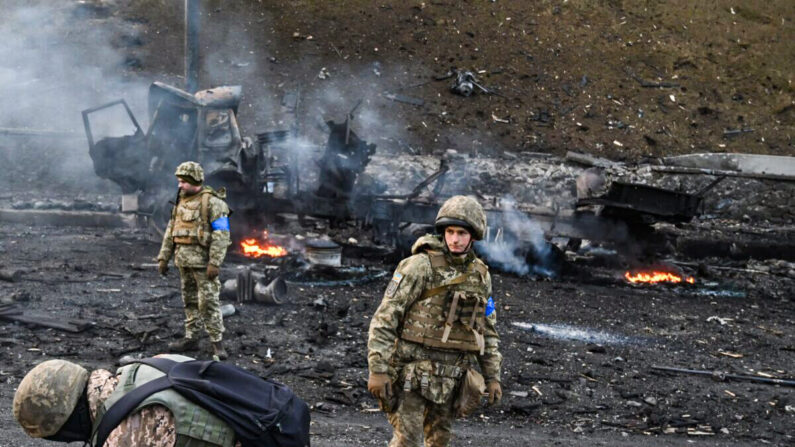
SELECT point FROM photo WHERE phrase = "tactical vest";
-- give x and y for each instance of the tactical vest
(195, 426)
(451, 312)
(191, 224)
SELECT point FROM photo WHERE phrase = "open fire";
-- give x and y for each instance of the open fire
(257, 248)
(654, 277)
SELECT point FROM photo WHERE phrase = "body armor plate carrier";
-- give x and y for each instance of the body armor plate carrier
(451, 313)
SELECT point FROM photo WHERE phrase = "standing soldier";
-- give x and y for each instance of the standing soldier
(198, 236)
(435, 323)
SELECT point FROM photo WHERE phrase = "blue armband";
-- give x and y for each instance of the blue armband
(490, 307)
(221, 224)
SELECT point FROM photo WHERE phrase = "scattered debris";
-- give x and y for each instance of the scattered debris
(718, 375)
(589, 160)
(465, 83)
(325, 276)
(648, 84)
(227, 310)
(146, 266)
(748, 164)
(405, 99)
(11, 275)
(12, 313)
(69, 218)
(722, 321)
(735, 132)
(250, 285)
(500, 120)
(721, 173)
(323, 252)
(733, 355)
(41, 133)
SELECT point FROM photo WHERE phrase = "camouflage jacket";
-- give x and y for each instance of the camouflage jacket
(152, 426)
(198, 255)
(415, 273)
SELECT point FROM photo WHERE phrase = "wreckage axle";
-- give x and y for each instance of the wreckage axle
(723, 376)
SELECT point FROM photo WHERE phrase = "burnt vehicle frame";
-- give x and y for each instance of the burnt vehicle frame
(263, 178)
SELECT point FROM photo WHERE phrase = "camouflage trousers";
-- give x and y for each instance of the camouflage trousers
(202, 304)
(416, 416)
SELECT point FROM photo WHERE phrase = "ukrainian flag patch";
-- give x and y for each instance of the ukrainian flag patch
(221, 224)
(393, 285)
(490, 306)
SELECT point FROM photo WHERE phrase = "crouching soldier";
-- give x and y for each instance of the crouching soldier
(198, 236)
(436, 322)
(62, 401)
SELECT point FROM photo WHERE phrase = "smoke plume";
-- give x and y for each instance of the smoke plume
(516, 244)
(59, 58)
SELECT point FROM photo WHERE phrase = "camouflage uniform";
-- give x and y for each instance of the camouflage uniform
(151, 426)
(409, 338)
(198, 235)
(51, 391)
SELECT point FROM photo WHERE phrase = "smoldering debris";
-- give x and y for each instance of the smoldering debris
(15, 313)
(69, 218)
(324, 276)
(518, 245)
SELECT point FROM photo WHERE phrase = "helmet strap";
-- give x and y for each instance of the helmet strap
(464, 253)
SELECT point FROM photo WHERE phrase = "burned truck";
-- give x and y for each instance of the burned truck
(260, 176)
(182, 127)
(264, 178)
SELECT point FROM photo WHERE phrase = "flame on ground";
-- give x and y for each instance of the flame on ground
(654, 277)
(255, 249)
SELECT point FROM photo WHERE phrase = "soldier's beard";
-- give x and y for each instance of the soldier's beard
(190, 191)
(78, 426)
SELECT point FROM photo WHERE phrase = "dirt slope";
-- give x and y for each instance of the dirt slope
(570, 75)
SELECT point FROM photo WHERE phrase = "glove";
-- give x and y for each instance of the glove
(380, 386)
(495, 392)
(212, 272)
(162, 267)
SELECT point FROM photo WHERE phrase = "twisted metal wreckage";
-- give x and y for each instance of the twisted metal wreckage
(263, 177)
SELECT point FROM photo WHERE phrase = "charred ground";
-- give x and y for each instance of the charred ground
(596, 389)
(571, 76)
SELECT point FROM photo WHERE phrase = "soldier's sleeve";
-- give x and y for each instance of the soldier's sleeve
(491, 360)
(167, 246)
(403, 289)
(220, 239)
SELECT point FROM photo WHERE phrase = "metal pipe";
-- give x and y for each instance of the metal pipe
(45, 133)
(251, 286)
(273, 293)
(192, 17)
(725, 376)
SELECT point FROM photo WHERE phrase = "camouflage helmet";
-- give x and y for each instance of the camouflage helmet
(48, 395)
(462, 211)
(191, 172)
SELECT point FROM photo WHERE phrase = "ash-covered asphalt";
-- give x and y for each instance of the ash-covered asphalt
(560, 386)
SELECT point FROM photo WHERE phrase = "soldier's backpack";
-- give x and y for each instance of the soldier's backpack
(261, 412)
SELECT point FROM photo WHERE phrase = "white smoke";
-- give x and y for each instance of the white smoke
(58, 58)
(514, 240)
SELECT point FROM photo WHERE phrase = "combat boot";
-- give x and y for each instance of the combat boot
(219, 351)
(183, 344)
